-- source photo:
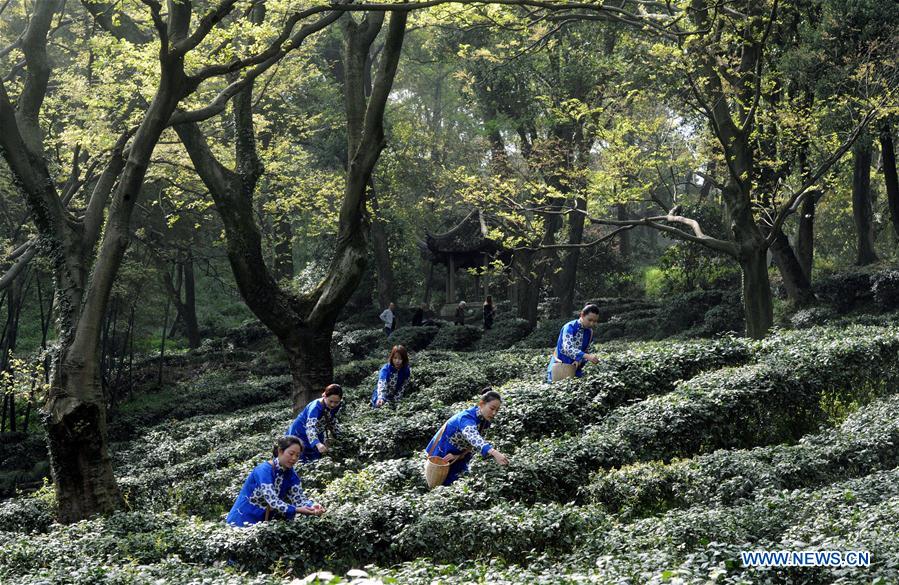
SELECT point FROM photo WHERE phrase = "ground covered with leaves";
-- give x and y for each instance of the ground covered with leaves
(661, 465)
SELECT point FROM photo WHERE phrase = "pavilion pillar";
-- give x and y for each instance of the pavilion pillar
(485, 263)
(429, 283)
(451, 281)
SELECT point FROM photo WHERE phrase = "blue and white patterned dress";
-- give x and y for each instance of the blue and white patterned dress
(463, 434)
(574, 339)
(312, 425)
(268, 486)
(390, 384)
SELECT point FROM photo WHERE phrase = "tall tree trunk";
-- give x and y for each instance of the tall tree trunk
(310, 362)
(186, 309)
(706, 189)
(796, 283)
(190, 303)
(805, 244)
(14, 294)
(304, 324)
(528, 302)
(526, 288)
(890, 178)
(751, 253)
(758, 305)
(624, 239)
(568, 279)
(862, 205)
(381, 250)
(283, 236)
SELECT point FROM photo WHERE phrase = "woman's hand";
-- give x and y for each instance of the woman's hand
(379, 403)
(593, 359)
(322, 448)
(313, 510)
(449, 458)
(500, 458)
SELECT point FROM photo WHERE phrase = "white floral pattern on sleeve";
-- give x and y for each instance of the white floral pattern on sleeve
(296, 497)
(473, 437)
(571, 344)
(312, 430)
(382, 387)
(267, 495)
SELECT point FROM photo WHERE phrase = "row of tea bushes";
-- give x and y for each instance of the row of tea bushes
(863, 444)
(698, 544)
(759, 404)
(702, 544)
(213, 392)
(692, 419)
(622, 376)
(384, 529)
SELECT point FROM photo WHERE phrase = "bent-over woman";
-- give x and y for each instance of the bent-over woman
(462, 435)
(570, 355)
(274, 489)
(316, 422)
(392, 378)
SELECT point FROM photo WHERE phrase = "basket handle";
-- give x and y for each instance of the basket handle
(437, 440)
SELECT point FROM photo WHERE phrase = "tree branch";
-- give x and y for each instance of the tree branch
(34, 46)
(750, 115)
(93, 215)
(159, 25)
(263, 61)
(31, 173)
(697, 236)
(19, 265)
(795, 200)
(212, 18)
(121, 26)
(590, 244)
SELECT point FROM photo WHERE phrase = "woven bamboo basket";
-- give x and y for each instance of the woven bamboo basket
(563, 371)
(436, 470)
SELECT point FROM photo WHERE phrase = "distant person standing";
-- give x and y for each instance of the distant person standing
(489, 313)
(418, 316)
(460, 314)
(388, 316)
(570, 355)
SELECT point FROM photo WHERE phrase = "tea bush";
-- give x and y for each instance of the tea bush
(844, 290)
(544, 334)
(504, 334)
(214, 393)
(885, 288)
(863, 444)
(661, 464)
(358, 343)
(456, 337)
(413, 338)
